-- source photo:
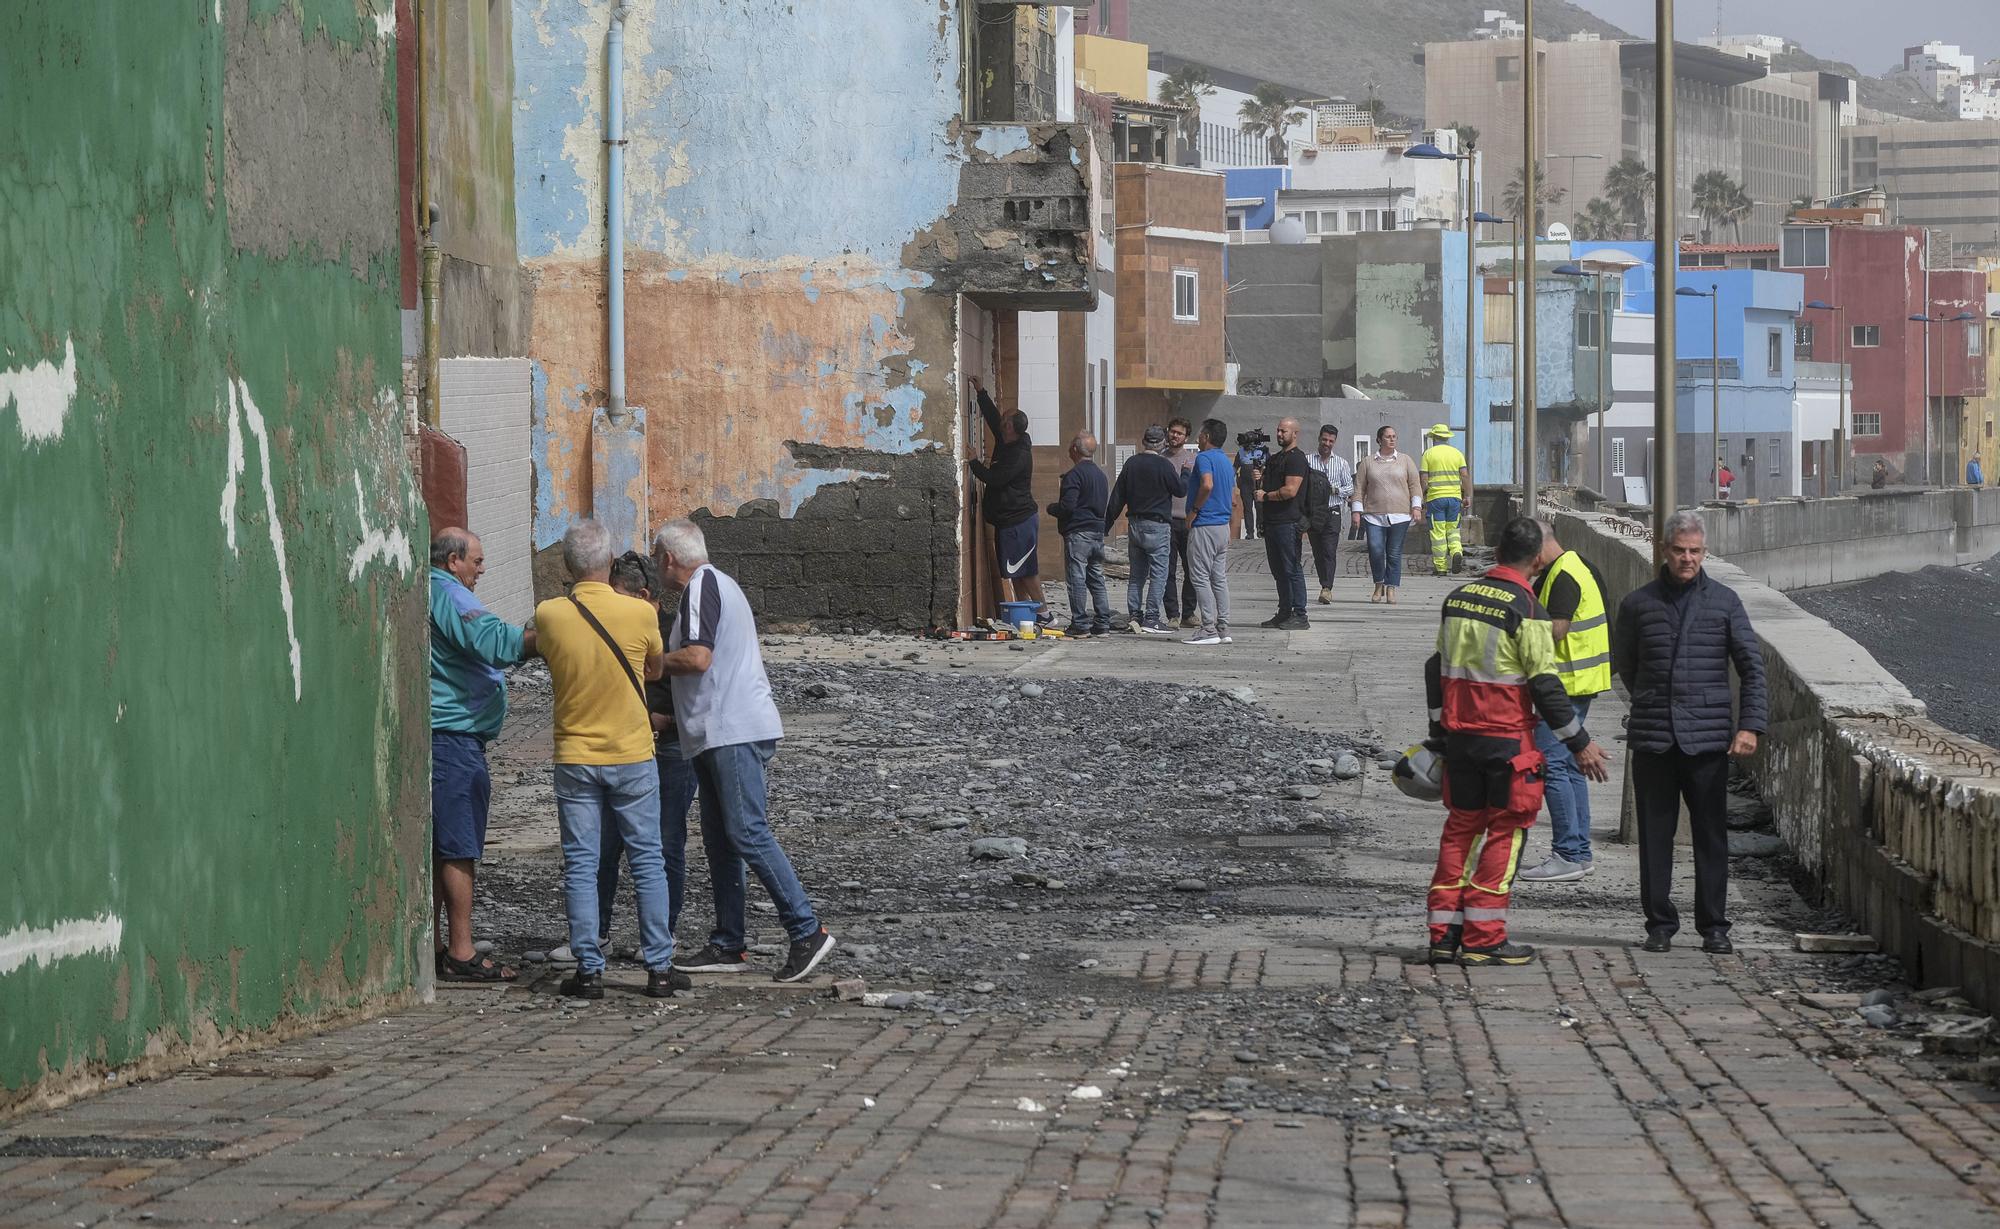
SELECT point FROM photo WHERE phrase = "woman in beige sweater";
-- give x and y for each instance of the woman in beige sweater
(1388, 499)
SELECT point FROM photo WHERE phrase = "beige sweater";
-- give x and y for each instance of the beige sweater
(1386, 488)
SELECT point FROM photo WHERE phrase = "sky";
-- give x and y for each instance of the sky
(1869, 34)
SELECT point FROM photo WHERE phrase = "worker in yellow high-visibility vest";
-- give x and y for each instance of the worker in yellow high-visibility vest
(1446, 487)
(1572, 596)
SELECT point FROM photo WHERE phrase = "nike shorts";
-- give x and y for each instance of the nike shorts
(1016, 547)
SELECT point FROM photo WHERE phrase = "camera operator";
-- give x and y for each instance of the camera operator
(1279, 481)
(1251, 449)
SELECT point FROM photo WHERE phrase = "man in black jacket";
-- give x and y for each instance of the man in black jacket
(1079, 514)
(1009, 502)
(1673, 643)
(1147, 487)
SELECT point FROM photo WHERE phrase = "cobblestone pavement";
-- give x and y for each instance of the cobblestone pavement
(1271, 1054)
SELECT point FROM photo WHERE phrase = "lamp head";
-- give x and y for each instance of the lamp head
(1427, 150)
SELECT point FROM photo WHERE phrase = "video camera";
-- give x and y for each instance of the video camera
(1253, 447)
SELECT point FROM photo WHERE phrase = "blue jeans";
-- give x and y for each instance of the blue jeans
(1567, 792)
(1282, 553)
(1083, 564)
(676, 795)
(1385, 551)
(735, 833)
(1147, 545)
(589, 799)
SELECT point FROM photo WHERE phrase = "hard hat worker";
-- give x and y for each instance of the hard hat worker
(1494, 671)
(1447, 489)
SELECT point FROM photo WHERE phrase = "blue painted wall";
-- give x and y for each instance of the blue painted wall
(1264, 181)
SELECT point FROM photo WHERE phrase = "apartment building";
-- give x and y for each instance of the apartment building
(1944, 175)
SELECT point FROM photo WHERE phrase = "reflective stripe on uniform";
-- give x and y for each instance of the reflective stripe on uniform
(1569, 731)
(1482, 674)
(1447, 917)
(1571, 667)
(1506, 885)
(1583, 655)
(1485, 915)
(1584, 625)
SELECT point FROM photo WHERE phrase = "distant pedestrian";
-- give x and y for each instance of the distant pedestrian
(1572, 594)
(1879, 478)
(1494, 671)
(469, 645)
(1725, 479)
(1212, 487)
(599, 644)
(1339, 473)
(1446, 489)
(1079, 515)
(634, 575)
(729, 730)
(1672, 644)
(1180, 453)
(1145, 493)
(1279, 483)
(1974, 476)
(1009, 503)
(1388, 499)
(1246, 487)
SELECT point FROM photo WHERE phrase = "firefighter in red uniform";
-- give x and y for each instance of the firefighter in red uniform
(1493, 672)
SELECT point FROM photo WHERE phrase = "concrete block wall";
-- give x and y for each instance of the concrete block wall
(1802, 543)
(1890, 814)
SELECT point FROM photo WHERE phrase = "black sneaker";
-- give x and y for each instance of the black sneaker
(1297, 623)
(661, 983)
(582, 985)
(1277, 620)
(1445, 950)
(805, 956)
(1503, 953)
(712, 959)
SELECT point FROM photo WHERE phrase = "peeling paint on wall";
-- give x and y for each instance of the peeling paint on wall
(392, 546)
(239, 401)
(41, 395)
(44, 945)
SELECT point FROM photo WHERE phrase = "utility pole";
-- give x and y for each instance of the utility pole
(1531, 207)
(1665, 264)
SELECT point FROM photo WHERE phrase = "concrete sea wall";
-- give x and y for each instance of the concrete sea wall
(1802, 543)
(213, 807)
(1895, 817)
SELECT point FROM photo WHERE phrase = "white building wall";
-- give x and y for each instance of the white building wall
(1040, 389)
(484, 405)
(1222, 141)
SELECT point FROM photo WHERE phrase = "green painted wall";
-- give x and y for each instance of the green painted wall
(213, 751)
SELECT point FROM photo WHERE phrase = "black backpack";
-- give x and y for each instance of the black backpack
(1317, 493)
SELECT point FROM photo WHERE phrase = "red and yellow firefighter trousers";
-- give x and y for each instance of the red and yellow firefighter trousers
(1479, 854)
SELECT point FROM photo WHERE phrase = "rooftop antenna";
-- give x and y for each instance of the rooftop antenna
(1718, 19)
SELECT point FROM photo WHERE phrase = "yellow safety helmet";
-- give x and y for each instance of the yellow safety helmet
(1420, 774)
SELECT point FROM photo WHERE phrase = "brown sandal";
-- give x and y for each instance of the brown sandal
(478, 969)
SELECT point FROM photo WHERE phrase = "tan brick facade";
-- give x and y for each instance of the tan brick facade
(1164, 215)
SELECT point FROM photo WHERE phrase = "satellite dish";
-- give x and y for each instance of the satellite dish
(1353, 393)
(1288, 231)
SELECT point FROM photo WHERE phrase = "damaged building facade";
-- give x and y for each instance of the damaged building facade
(216, 808)
(830, 217)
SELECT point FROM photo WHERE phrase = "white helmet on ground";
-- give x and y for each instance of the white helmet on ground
(1420, 774)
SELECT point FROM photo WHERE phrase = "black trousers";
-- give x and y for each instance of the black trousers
(1180, 581)
(1660, 781)
(1326, 552)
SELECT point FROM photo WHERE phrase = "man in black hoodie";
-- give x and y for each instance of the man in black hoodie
(1009, 502)
(1146, 490)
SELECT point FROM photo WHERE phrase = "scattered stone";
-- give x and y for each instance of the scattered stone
(536, 956)
(1054, 885)
(1957, 1035)
(916, 655)
(1832, 1002)
(825, 689)
(1302, 792)
(1348, 766)
(945, 823)
(1031, 879)
(1878, 998)
(896, 1000)
(1834, 943)
(1086, 1092)
(1091, 964)
(1028, 1105)
(851, 885)
(483, 947)
(1937, 993)
(1210, 1115)
(998, 848)
(1242, 695)
(1190, 885)
(848, 989)
(1248, 1056)
(1031, 691)
(1755, 845)
(868, 1103)
(1879, 1016)
(983, 987)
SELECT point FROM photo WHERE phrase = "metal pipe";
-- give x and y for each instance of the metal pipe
(614, 213)
(1514, 340)
(431, 277)
(1715, 380)
(1472, 332)
(1531, 205)
(1603, 380)
(1666, 274)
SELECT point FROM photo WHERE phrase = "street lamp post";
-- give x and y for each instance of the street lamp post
(1665, 264)
(1714, 372)
(1524, 358)
(1463, 158)
(1846, 427)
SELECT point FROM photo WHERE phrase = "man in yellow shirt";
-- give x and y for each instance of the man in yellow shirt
(599, 645)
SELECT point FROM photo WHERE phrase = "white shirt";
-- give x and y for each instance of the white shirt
(1339, 473)
(730, 702)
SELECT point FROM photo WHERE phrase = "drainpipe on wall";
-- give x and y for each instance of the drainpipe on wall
(614, 213)
(433, 258)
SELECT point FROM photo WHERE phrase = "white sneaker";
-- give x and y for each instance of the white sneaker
(1228, 639)
(562, 955)
(1203, 638)
(1557, 869)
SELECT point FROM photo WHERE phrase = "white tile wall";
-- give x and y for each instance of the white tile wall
(485, 406)
(1040, 375)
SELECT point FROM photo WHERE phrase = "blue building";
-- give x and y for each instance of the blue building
(1253, 198)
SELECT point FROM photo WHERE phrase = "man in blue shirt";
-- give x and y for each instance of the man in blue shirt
(1211, 492)
(468, 702)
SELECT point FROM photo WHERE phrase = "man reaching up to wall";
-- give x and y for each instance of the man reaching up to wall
(1009, 503)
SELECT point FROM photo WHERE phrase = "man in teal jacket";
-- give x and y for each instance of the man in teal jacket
(469, 645)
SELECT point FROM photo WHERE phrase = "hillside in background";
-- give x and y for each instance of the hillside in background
(1342, 47)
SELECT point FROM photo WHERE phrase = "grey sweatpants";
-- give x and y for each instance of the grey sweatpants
(1208, 564)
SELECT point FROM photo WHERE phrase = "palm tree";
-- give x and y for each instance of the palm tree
(1184, 88)
(1513, 199)
(1267, 115)
(1629, 183)
(1468, 136)
(1718, 199)
(1600, 219)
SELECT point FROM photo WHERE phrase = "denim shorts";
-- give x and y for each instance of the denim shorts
(460, 791)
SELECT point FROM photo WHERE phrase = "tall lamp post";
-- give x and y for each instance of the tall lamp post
(1928, 320)
(1430, 152)
(1514, 364)
(1714, 372)
(1666, 266)
(1840, 461)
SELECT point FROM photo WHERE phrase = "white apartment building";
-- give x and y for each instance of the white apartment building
(1223, 142)
(1937, 69)
(1758, 47)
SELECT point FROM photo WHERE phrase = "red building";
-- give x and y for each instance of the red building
(1877, 277)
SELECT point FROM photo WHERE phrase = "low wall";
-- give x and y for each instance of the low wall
(1802, 543)
(1893, 816)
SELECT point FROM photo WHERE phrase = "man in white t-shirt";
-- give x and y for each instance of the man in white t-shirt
(729, 731)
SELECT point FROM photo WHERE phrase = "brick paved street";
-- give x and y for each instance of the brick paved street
(1283, 1062)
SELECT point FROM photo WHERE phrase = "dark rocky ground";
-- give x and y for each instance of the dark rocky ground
(1929, 629)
